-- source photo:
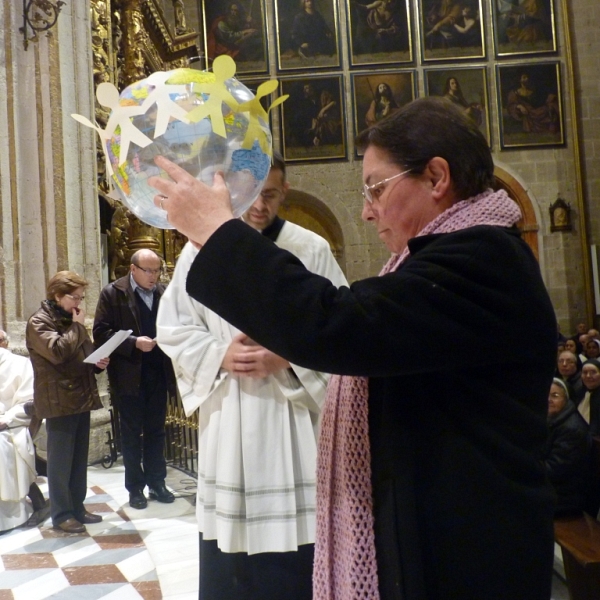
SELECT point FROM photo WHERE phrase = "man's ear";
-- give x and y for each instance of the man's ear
(438, 171)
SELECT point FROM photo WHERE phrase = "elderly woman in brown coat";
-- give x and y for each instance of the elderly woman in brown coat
(65, 392)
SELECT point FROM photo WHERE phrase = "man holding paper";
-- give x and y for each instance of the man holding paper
(140, 375)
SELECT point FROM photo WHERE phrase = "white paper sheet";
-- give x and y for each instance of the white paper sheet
(108, 348)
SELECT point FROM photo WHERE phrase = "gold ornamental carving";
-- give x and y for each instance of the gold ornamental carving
(130, 40)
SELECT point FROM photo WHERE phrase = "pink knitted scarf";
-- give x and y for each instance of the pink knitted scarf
(345, 564)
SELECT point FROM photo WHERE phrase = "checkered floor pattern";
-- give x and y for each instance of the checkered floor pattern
(109, 562)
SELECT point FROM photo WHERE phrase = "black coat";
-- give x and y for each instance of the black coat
(117, 309)
(576, 388)
(457, 395)
(567, 458)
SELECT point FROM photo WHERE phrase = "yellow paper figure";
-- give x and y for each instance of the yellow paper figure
(223, 68)
(256, 111)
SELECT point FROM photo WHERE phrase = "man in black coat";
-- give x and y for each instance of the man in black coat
(450, 479)
(140, 375)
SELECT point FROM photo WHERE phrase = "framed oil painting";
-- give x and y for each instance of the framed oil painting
(464, 87)
(523, 27)
(307, 34)
(379, 32)
(238, 29)
(378, 94)
(312, 119)
(529, 105)
(451, 30)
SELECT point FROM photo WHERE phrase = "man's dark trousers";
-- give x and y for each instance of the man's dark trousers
(143, 457)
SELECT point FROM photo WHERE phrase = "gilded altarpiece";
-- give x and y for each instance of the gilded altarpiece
(132, 39)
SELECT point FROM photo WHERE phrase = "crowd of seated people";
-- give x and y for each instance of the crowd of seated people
(574, 408)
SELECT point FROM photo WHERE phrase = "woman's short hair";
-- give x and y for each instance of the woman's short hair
(429, 127)
(64, 282)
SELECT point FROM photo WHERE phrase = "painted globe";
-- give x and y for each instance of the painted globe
(203, 121)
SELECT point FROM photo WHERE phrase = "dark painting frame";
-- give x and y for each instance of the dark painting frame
(469, 91)
(379, 35)
(455, 32)
(250, 52)
(307, 41)
(521, 29)
(369, 97)
(530, 111)
(309, 131)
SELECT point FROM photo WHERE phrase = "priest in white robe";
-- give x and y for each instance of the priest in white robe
(258, 420)
(17, 455)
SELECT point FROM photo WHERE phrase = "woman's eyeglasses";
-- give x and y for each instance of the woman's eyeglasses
(374, 191)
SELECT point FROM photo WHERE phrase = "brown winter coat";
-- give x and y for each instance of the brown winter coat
(63, 383)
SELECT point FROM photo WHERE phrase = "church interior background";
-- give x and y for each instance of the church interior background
(56, 213)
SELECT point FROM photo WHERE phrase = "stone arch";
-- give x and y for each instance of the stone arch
(528, 225)
(308, 211)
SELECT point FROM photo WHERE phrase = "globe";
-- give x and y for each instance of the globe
(204, 122)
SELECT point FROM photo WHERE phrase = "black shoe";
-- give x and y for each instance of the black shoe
(89, 517)
(37, 498)
(137, 499)
(161, 493)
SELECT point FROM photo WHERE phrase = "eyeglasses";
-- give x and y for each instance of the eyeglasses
(556, 395)
(76, 298)
(148, 271)
(374, 191)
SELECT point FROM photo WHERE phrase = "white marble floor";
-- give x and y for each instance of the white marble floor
(171, 536)
(169, 530)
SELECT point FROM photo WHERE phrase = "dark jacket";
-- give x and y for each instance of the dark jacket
(463, 508)
(117, 309)
(567, 458)
(576, 388)
(63, 383)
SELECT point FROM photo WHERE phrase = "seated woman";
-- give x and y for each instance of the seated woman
(592, 348)
(17, 457)
(567, 451)
(573, 345)
(590, 405)
(569, 370)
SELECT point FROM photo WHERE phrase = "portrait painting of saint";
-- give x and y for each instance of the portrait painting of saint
(236, 28)
(464, 87)
(313, 119)
(523, 27)
(377, 95)
(380, 32)
(529, 98)
(451, 29)
(307, 34)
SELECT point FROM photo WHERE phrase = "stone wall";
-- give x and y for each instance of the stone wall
(49, 208)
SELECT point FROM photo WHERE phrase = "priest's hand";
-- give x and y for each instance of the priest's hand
(195, 209)
(246, 358)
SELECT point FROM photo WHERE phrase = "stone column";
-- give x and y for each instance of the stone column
(48, 203)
